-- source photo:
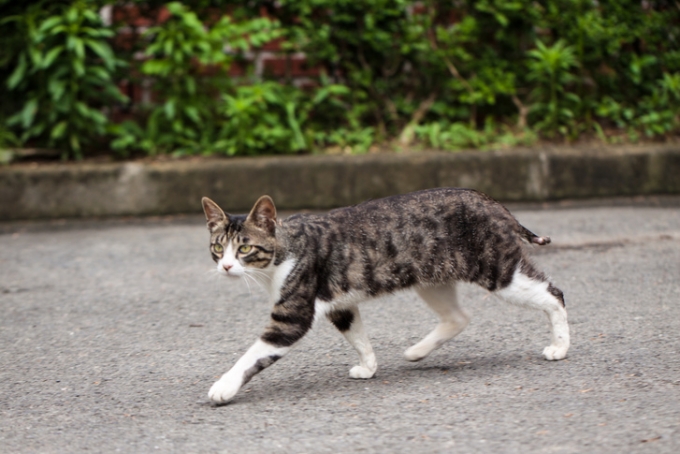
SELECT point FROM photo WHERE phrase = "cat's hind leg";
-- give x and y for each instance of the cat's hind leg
(348, 322)
(443, 301)
(530, 288)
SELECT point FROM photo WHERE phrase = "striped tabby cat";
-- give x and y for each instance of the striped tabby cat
(324, 265)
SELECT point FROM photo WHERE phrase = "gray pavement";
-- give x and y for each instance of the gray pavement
(112, 332)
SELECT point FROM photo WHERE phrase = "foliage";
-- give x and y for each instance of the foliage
(547, 65)
(656, 114)
(181, 50)
(64, 73)
(269, 116)
(203, 112)
(8, 141)
(451, 75)
(458, 136)
(550, 68)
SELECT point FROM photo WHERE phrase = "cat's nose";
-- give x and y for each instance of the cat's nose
(227, 267)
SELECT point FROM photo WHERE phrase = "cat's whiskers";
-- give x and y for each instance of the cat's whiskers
(257, 282)
(245, 279)
(256, 274)
(260, 274)
(213, 272)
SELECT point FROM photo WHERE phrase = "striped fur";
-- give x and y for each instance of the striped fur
(325, 264)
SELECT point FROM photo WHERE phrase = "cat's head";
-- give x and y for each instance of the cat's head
(240, 243)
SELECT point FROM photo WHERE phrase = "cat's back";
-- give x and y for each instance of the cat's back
(426, 236)
(436, 211)
(440, 205)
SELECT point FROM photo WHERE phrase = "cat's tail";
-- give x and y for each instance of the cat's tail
(531, 237)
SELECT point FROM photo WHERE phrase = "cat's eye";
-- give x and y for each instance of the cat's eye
(218, 248)
(245, 249)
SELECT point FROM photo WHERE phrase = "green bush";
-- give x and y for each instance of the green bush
(549, 65)
(202, 109)
(63, 71)
(268, 116)
(187, 118)
(451, 75)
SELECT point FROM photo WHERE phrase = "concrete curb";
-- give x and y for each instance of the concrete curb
(155, 188)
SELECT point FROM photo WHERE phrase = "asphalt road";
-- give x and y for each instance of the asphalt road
(112, 332)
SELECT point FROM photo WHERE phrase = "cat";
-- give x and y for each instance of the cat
(317, 265)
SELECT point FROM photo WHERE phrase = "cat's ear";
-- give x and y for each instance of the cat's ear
(213, 213)
(263, 214)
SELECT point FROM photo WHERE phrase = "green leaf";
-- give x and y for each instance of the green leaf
(72, 14)
(156, 67)
(70, 42)
(9, 19)
(100, 73)
(176, 8)
(51, 56)
(79, 48)
(502, 19)
(78, 67)
(28, 113)
(192, 113)
(58, 130)
(98, 117)
(49, 23)
(82, 109)
(91, 16)
(96, 32)
(191, 85)
(56, 88)
(299, 139)
(18, 73)
(103, 50)
(36, 56)
(75, 144)
(58, 29)
(168, 47)
(169, 108)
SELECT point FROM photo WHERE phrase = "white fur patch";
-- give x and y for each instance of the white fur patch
(278, 277)
(348, 300)
(527, 292)
(229, 264)
(524, 291)
(226, 387)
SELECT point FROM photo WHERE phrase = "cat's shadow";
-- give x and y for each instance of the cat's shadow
(325, 381)
(479, 366)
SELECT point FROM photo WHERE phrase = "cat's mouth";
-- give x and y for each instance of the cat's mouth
(233, 273)
(229, 270)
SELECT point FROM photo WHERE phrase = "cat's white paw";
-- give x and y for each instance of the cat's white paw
(224, 390)
(361, 372)
(555, 352)
(416, 353)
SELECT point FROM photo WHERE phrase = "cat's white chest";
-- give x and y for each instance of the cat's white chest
(279, 274)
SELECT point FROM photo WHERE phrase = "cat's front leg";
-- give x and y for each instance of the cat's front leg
(290, 321)
(258, 357)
